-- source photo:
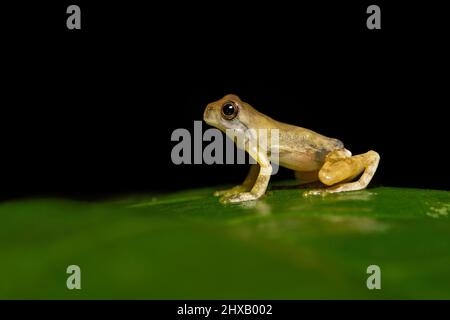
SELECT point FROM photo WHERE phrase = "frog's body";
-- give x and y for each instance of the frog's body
(312, 156)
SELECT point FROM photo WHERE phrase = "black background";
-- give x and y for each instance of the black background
(90, 112)
(282, 309)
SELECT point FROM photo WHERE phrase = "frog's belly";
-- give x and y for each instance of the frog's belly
(300, 161)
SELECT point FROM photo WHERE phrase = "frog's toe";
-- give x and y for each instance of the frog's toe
(240, 197)
(225, 193)
(230, 192)
(219, 193)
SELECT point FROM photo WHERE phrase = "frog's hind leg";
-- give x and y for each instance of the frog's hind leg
(340, 168)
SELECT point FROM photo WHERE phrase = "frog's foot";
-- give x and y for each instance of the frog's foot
(340, 171)
(334, 189)
(239, 197)
(232, 191)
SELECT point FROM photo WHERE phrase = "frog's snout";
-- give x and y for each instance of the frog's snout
(208, 114)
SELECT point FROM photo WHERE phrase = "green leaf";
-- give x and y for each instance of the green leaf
(186, 245)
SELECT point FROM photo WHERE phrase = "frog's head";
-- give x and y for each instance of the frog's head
(230, 112)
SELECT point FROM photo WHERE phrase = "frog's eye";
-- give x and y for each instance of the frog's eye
(229, 111)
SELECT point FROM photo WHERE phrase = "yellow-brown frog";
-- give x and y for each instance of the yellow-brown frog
(312, 156)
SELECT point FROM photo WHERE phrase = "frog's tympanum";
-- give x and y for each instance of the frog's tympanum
(312, 156)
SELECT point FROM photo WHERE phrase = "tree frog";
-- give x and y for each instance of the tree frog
(312, 156)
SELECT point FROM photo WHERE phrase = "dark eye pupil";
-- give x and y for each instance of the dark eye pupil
(228, 109)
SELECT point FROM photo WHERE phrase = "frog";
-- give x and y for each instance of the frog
(313, 157)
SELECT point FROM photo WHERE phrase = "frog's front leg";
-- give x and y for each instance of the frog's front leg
(340, 167)
(260, 183)
(245, 186)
